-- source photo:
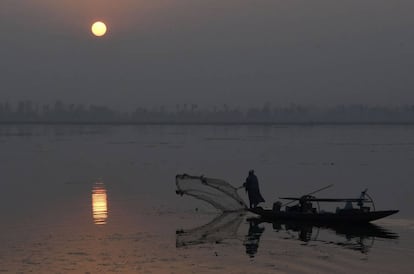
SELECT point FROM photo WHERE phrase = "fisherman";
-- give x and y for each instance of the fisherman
(252, 188)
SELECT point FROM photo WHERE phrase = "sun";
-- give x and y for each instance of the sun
(98, 28)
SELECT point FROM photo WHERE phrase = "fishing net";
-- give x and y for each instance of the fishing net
(224, 227)
(216, 192)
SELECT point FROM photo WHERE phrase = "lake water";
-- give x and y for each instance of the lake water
(101, 199)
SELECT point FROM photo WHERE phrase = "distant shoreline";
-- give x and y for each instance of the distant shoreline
(28, 112)
(103, 123)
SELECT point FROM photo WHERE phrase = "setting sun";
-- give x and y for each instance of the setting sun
(99, 204)
(99, 28)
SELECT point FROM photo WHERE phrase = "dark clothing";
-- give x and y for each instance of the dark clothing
(252, 188)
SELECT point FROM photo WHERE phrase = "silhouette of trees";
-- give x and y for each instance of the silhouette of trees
(60, 112)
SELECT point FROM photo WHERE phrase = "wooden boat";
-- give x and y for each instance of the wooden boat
(305, 211)
(351, 216)
(213, 190)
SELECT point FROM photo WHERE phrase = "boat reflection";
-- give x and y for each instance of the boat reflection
(226, 226)
(99, 204)
(359, 237)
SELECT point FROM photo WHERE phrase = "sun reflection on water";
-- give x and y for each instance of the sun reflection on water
(99, 204)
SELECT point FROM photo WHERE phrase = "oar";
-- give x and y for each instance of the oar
(313, 192)
(326, 187)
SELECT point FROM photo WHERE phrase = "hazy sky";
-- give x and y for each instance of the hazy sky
(208, 51)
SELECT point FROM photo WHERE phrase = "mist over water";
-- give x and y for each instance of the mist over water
(77, 189)
(236, 52)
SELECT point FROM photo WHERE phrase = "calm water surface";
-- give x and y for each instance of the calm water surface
(102, 198)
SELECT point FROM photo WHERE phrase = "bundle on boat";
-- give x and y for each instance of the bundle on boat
(219, 193)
